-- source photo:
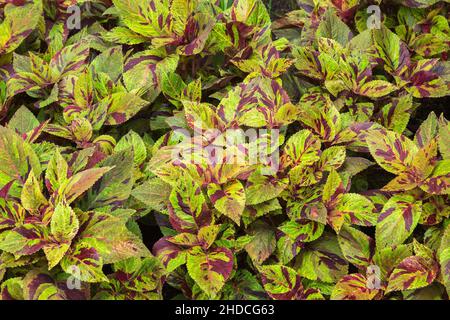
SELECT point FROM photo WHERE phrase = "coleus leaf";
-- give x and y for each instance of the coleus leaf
(393, 152)
(141, 71)
(419, 3)
(210, 269)
(322, 260)
(133, 140)
(377, 88)
(31, 197)
(81, 182)
(305, 231)
(40, 285)
(332, 158)
(171, 255)
(357, 209)
(320, 115)
(353, 287)
(263, 243)
(17, 25)
(390, 49)
(332, 27)
(84, 262)
(439, 181)
(282, 283)
(188, 210)
(444, 258)
(412, 273)
(64, 224)
(110, 62)
(396, 114)
(147, 20)
(294, 235)
(356, 246)
(444, 134)
(12, 289)
(387, 258)
(112, 237)
(228, 199)
(17, 156)
(303, 148)
(249, 287)
(25, 240)
(121, 107)
(398, 220)
(70, 60)
(134, 279)
(427, 130)
(154, 193)
(261, 188)
(424, 79)
(23, 121)
(187, 62)
(115, 186)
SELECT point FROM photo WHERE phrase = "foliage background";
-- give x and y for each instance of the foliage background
(93, 207)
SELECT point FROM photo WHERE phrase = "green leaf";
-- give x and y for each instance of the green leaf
(228, 199)
(322, 260)
(109, 62)
(303, 148)
(210, 269)
(263, 243)
(17, 158)
(56, 174)
(23, 121)
(356, 246)
(133, 140)
(64, 224)
(377, 88)
(261, 188)
(115, 186)
(31, 197)
(281, 283)
(18, 23)
(121, 107)
(353, 287)
(333, 28)
(444, 258)
(392, 151)
(84, 262)
(154, 193)
(397, 221)
(357, 209)
(427, 130)
(412, 273)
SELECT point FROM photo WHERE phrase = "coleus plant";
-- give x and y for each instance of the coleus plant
(196, 149)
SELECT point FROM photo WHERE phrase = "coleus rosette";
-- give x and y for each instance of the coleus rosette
(39, 222)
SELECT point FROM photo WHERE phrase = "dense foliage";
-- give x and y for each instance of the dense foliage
(127, 168)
